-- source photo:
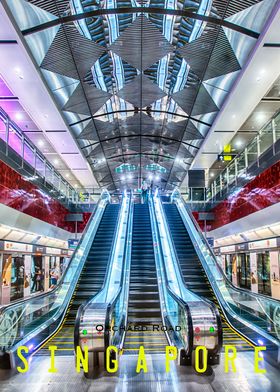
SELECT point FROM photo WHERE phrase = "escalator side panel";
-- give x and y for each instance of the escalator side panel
(90, 281)
(144, 303)
(194, 274)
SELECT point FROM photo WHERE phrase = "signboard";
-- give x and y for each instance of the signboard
(227, 249)
(17, 247)
(242, 247)
(53, 251)
(263, 244)
(210, 241)
(39, 249)
(72, 243)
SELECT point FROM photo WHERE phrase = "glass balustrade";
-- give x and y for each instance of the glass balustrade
(27, 152)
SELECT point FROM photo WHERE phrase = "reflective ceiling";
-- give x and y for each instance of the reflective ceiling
(140, 83)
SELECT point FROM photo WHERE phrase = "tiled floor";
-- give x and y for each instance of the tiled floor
(37, 379)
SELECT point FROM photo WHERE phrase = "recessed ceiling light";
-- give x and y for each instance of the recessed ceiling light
(157, 178)
(19, 116)
(260, 116)
(122, 178)
(40, 143)
(129, 177)
(55, 161)
(76, 185)
(67, 175)
(238, 143)
(150, 177)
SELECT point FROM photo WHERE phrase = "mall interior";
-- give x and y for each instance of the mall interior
(139, 195)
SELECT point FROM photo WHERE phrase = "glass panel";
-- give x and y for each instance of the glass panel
(218, 187)
(266, 138)
(231, 172)
(28, 153)
(198, 194)
(246, 306)
(35, 315)
(40, 166)
(49, 174)
(241, 164)
(224, 179)
(15, 141)
(264, 285)
(252, 152)
(2, 130)
(56, 181)
(277, 126)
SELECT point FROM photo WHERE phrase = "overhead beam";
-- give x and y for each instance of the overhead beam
(136, 10)
(185, 116)
(138, 135)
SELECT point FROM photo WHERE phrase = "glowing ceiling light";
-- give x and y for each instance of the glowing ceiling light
(19, 116)
(238, 143)
(40, 143)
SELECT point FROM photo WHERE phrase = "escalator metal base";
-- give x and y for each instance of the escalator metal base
(37, 379)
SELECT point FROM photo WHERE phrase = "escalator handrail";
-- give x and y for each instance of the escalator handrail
(7, 307)
(183, 304)
(246, 291)
(221, 300)
(113, 302)
(211, 304)
(60, 314)
(83, 307)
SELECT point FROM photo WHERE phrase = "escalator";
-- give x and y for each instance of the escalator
(90, 281)
(144, 304)
(194, 274)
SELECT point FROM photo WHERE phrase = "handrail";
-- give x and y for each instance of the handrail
(126, 257)
(3, 308)
(83, 306)
(56, 303)
(184, 305)
(222, 278)
(93, 303)
(194, 221)
(210, 304)
(8, 122)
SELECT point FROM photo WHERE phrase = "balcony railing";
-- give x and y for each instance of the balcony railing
(20, 150)
(240, 168)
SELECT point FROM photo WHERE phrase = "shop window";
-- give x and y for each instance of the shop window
(37, 274)
(264, 284)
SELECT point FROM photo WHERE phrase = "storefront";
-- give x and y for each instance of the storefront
(26, 269)
(254, 265)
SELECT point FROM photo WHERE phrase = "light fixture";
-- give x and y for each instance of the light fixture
(129, 176)
(55, 161)
(40, 143)
(150, 177)
(238, 143)
(260, 116)
(75, 185)
(212, 174)
(18, 72)
(122, 178)
(67, 175)
(157, 178)
(19, 116)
